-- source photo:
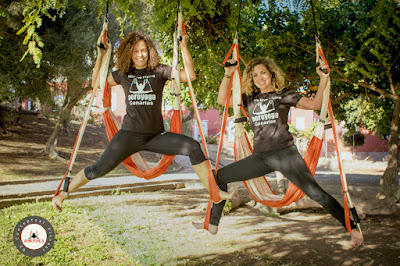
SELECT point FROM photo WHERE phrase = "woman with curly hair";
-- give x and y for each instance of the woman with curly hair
(268, 103)
(142, 77)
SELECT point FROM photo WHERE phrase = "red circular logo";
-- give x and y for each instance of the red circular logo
(33, 236)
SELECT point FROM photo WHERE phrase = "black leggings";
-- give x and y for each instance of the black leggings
(125, 143)
(289, 162)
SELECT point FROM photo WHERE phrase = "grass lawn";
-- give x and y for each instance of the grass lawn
(79, 239)
(126, 229)
(154, 228)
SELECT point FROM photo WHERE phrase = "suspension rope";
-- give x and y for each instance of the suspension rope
(315, 23)
(238, 22)
(107, 10)
(213, 189)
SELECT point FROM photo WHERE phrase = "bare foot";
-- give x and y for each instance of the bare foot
(212, 229)
(226, 196)
(357, 238)
(57, 201)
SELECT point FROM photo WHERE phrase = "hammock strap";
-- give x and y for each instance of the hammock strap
(175, 82)
(225, 114)
(319, 54)
(82, 128)
(348, 204)
(213, 189)
(234, 49)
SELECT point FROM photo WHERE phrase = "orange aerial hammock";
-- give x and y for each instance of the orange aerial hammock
(135, 163)
(259, 187)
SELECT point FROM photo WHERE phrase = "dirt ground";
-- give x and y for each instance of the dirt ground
(22, 150)
(246, 236)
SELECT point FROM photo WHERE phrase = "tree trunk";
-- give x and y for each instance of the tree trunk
(185, 126)
(189, 117)
(63, 119)
(280, 180)
(389, 176)
(51, 143)
(19, 114)
(65, 122)
(3, 128)
(72, 97)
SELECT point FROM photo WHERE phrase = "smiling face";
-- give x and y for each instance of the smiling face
(140, 55)
(262, 78)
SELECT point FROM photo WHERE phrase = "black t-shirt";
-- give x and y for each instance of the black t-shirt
(143, 96)
(268, 113)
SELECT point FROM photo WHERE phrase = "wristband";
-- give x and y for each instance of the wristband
(227, 76)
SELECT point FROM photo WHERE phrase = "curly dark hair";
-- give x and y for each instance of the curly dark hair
(124, 53)
(277, 75)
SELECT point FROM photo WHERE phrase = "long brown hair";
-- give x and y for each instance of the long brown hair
(277, 75)
(124, 53)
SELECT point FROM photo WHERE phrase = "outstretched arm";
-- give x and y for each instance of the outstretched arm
(224, 86)
(316, 102)
(188, 60)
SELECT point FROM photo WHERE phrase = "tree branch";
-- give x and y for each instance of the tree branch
(394, 62)
(223, 37)
(365, 85)
(341, 97)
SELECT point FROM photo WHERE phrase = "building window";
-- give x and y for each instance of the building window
(114, 96)
(300, 123)
(196, 132)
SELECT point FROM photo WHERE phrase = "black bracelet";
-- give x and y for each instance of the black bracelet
(227, 76)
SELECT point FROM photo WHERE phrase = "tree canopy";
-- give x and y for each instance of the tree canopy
(18, 79)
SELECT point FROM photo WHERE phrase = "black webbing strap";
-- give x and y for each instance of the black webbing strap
(241, 119)
(66, 183)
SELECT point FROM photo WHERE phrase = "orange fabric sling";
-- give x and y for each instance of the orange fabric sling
(259, 188)
(134, 163)
(213, 188)
(175, 126)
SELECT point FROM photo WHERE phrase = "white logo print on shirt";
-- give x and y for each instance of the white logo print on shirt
(263, 112)
(262, 108)
(141, 87)
(140, 91)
